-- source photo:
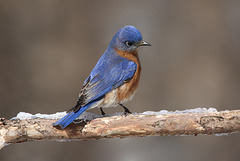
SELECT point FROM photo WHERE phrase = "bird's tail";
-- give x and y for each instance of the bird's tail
(67, 119)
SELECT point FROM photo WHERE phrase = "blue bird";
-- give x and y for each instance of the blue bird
(114, 79)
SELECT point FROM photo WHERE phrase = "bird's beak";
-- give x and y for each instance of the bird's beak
(144, 43)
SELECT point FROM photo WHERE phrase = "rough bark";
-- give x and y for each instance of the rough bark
(18, 131)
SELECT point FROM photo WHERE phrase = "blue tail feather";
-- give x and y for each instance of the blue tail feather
(67, 119)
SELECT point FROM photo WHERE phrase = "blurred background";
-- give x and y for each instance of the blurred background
(48, 48)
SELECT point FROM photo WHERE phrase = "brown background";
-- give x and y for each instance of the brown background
(48, 48)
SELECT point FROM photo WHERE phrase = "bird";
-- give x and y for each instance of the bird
(114, 79)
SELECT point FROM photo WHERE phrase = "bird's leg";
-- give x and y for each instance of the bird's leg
(102, 112)
(126, 110)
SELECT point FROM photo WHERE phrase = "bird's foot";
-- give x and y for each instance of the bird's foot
(102, 112)
(126, 110)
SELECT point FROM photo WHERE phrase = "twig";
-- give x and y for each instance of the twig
(18, 131)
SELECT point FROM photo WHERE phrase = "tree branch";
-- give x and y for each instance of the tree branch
(145, 124)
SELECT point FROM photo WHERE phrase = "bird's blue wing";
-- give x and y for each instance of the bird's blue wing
(105, 77)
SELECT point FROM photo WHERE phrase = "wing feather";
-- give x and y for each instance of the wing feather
(111, 76)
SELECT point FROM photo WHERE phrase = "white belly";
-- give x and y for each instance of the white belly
(111, 98)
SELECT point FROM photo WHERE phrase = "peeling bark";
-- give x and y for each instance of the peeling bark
(18, 131)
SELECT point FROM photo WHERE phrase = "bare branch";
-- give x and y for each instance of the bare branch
(17, 131)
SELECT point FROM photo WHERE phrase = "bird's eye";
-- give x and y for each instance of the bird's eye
(129, 43)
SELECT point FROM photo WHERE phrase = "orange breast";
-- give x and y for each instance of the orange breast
(127, 90)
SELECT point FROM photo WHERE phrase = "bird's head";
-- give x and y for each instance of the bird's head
(128, 39)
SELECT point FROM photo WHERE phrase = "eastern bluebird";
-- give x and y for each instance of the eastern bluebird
(115, 77)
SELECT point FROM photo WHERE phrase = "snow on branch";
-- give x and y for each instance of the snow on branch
(27, 127)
